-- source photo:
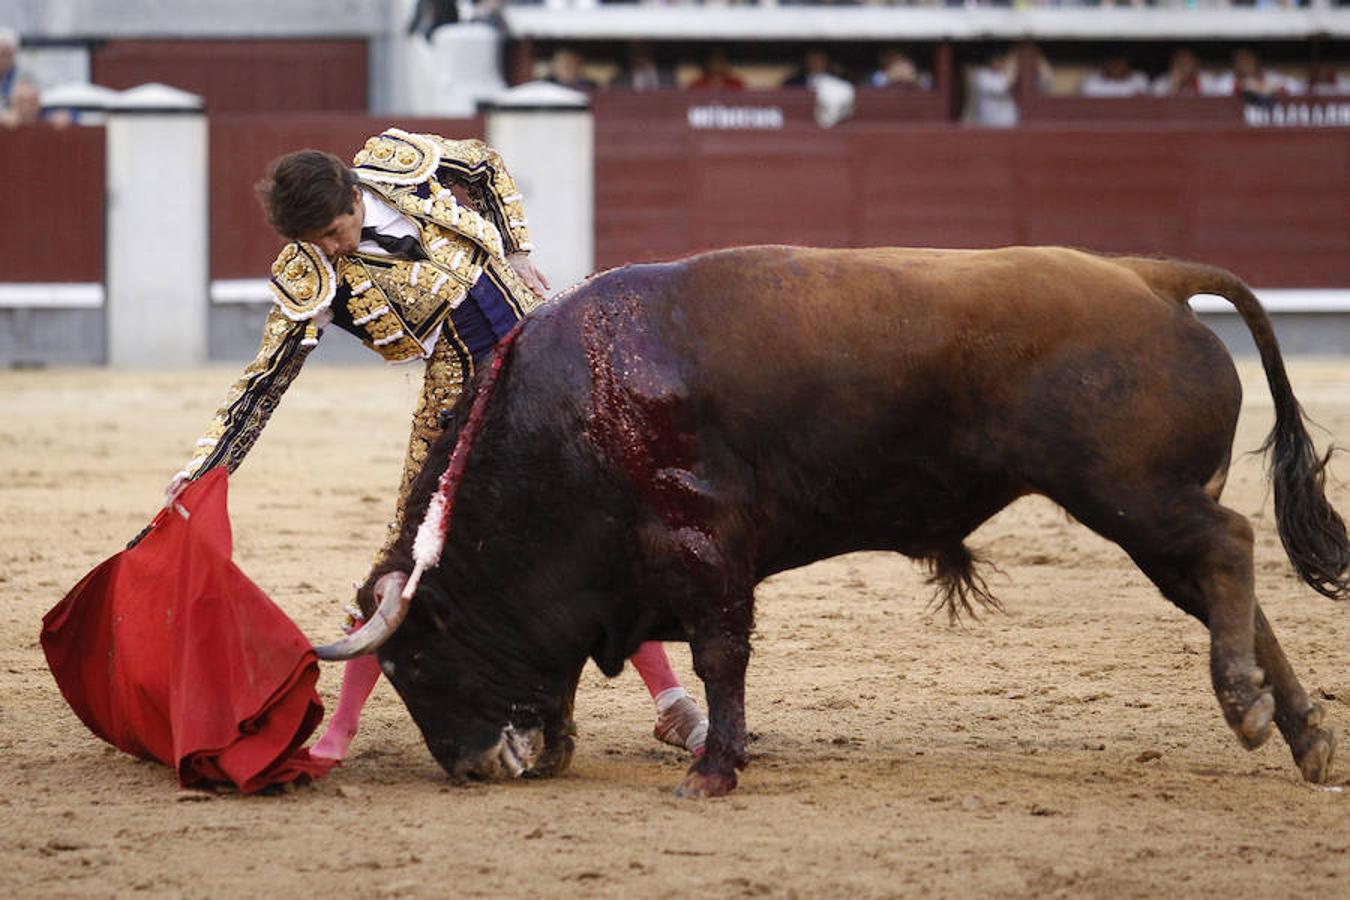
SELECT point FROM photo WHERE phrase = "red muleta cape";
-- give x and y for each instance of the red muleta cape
(168, 651)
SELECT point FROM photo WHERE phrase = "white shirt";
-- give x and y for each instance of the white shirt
(386, 220)
(990, 100)
(1098, 85)
(1272, 84)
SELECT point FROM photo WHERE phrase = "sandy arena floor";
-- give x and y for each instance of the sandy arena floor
(1071, 747)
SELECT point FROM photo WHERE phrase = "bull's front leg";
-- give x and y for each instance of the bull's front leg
(720, 660)
(711, 591)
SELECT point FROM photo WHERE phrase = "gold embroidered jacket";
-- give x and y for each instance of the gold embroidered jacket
(396, 306)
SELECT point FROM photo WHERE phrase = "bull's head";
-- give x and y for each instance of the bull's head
(491, 691)
(483, 710)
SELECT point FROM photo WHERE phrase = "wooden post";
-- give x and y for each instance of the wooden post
(945, 81)
(1028, 74)
(520, 61)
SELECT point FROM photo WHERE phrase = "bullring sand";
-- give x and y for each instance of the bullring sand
(1070, 747)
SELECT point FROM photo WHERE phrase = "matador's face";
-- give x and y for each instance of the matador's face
(341, 236)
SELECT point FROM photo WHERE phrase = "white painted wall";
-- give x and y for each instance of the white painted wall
(157, 233)
(546, 135)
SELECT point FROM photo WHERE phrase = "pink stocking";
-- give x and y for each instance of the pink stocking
(653, 665)
(358, 680)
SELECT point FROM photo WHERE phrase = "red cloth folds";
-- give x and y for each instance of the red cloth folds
(168, 651)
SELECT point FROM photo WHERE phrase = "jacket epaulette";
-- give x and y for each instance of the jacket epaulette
(396, 157)
(303, 282)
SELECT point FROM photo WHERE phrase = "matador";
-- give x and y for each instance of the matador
(420, 249)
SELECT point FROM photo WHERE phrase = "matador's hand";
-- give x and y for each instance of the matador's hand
(175, 487)
(533, 278)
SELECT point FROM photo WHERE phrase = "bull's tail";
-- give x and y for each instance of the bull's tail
(1312, 532)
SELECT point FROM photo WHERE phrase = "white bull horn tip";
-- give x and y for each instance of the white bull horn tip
(378, 628)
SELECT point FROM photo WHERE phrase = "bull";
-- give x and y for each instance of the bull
(663, 437)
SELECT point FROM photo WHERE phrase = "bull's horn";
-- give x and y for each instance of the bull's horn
(394, 603)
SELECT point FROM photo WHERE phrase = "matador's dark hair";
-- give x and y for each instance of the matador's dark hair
(305, 190)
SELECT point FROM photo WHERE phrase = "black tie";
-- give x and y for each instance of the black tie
(406, 247)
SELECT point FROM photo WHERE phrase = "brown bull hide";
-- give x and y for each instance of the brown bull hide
(666, 436)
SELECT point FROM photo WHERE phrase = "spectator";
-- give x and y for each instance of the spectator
(816, 62)
(490, 12)
(717, 74)
(1253, 82)
(26, 108)
(1116, 78)
(895, 69)
(991, 95)
(9, 72)
(1325, 81)
(429, 15)
(565, 69)
(641, 73)
(1183, 77)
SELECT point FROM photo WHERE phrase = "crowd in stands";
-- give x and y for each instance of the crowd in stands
(986, 76)
(995, 74)
(989, 82)
(1247, 77)
(641, 69)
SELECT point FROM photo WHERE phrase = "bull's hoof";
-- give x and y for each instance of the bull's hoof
(1315, 763)
(1258, 723)
(556, 760)
(698, 785)
(1315, 748)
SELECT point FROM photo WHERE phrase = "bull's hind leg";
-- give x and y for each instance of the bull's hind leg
(1221, 604)
(1298, 717)
(1201, 560)
(1199, 554)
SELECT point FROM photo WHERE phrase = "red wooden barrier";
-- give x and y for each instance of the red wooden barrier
(1139, 110)
(1271, 204)
(51, 204)
(681, 170)
(244, 76)
(242, 243)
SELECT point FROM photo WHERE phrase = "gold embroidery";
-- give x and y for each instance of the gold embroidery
(376, 307)
(441, 387)
(513, 286)
(474, 161)
(469, 153)
(250, 401)
(448, 213)
(303, 282)
(397, 157)
(451, 256)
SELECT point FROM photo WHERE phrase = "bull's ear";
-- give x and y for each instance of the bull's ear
(366, 601)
